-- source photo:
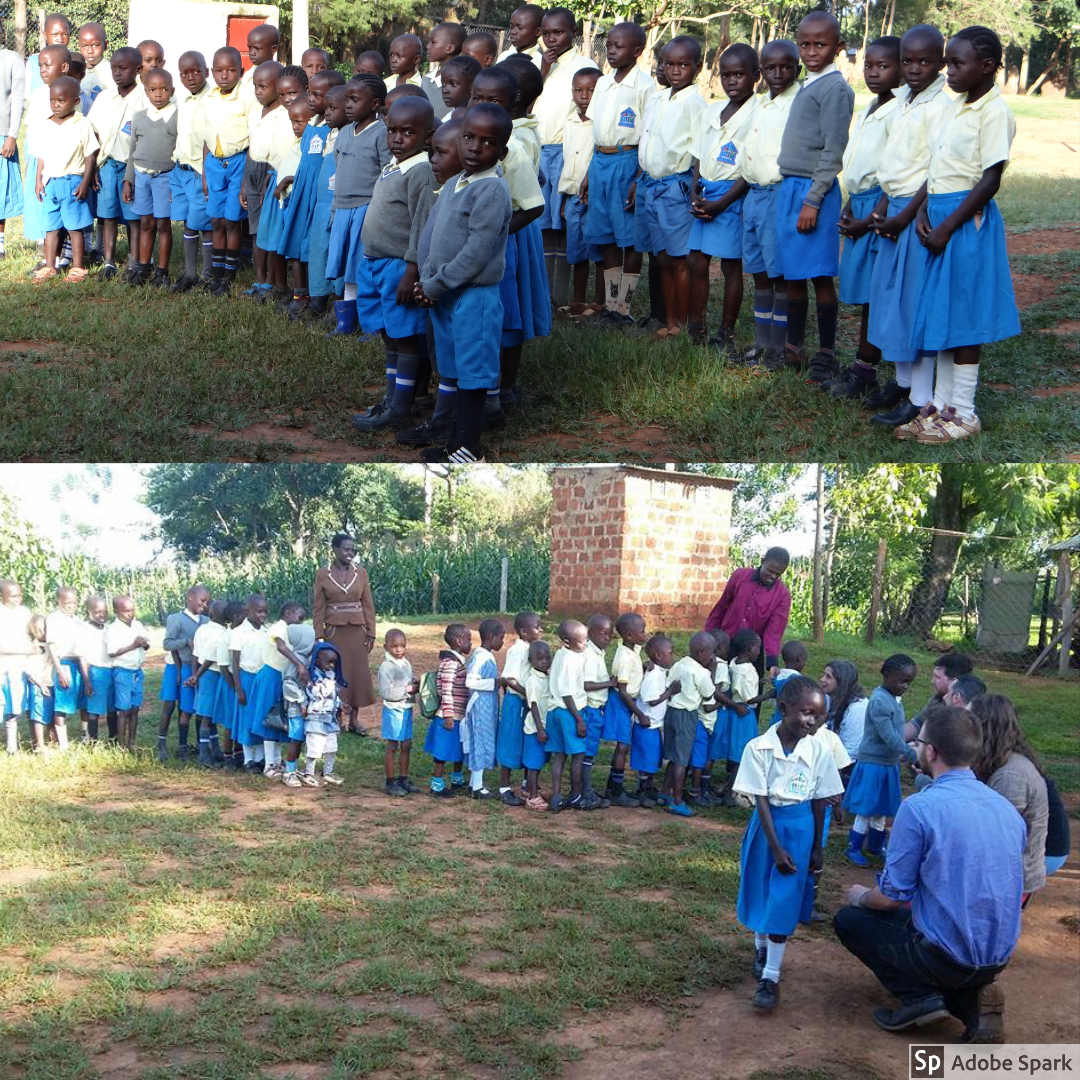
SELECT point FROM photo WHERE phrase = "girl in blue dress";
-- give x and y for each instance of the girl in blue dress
(479, 727)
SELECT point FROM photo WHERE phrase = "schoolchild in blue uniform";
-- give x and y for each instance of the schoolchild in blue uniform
(320, 288)
(298, 220)
(205, 680)
(126, 643)
(478, 729)
(722, 682)
(959, 311)
(873, 792)
(510, 738)
(39, 679)
(264, 125)
(621, 711)
(789, 774)
(13, 97)
(808, 205)
(97, 699)
(683, 729)
(247, 649)
(598, 686)
(647, 735)
(718, 192)
(63, 631)
(47, 66)
(534, 752)
(176, 686)
(226, 704)
(397, 688)
(741, 703)
(443, 738)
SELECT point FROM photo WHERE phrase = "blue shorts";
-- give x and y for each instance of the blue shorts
(618, 720)
(100, 702)
(39, 706)
(188, 201)
(562, 733)
(857, 257)
(173, 689)
(551, 163)
(722, 237)
(60, 209)
(224, 182)
(345, 252)
(396, 724)
(441, 744)
(376, 300)
(511, 733)
(578, 249)
(807, 255)
(667, 213)
(718, 741)
(646, 749)
(468, 333)
(699, 752)
(610, 177)
(206, 691)
(594, 725)
(153, 195)
(127, 688)
(759, 230)
(534, 754)
(12, 691)
(67, 701)
(110, 205)
(296, 728)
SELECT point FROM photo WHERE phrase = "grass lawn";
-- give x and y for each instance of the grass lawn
(161, 922)
(100, 372)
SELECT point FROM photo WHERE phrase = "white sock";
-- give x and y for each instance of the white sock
(61, 736)
(249, 754)
(476, 779)
(860, 824)
(309, 765)
(12, 728)
(760, 940)
(922, 381)
(943, 385)
(328, 764)
(878, 823)
(257, 754)
(612, 283)
(626, 292)
(965, 382)
(270, 751)
(350, 292)
(903, 374)
(773, 960)
(504, 790)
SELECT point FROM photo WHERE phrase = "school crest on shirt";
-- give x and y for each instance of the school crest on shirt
(316, 145)
(330, 183)
(798, 785)
(628, 118)
(728, 153)
(126, 129)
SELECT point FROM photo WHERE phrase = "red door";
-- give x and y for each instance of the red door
(238, 28)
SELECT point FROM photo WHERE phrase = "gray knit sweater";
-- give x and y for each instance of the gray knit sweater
(468, 236)
(816, 134)
(13, 93)
(398, 212)
(152, 145)
(358, 159)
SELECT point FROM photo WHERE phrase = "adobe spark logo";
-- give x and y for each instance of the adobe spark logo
(927, 1062)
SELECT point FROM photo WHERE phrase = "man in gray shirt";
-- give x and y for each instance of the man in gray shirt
(180, 630)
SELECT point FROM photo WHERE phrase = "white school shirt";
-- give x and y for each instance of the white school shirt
(62, 632)
(652, 103)
(852, 724)
(813, 76)
(839, 753)
(207, 640)
(520, 177)
(15, 631)
(525, 131)
(223, 655)
(906, 157)
(65, 147)
(38, 113)
(577, 153)
(91, 647)
(567, 678)
(808, 772)
(189, 130)
(246, 86)
(535, 54)
(626, 667)
(100, 77)
(595, 671)
(111, 116)
(119, 635)
(721, 675)
(538, 693)
(762, 146)
(976, 135)
(745, 683)
(672, 128)
(696, 684)
(617, 109)
(717, 145)
(653, 685)
(250, 643)
(279, 631)
(516, 664)
(866, 144)
(556, 104)
(265, 131)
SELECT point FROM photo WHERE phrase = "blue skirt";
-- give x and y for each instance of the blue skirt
(646, 749)
(101, 701)
(346, 249)
(396, 724)
(510, 738)
(534, 300)
(857, 258)
(271, 218)
(809, 891)
(33, 209)
(206, 692)
(769, 901)
(551, 163)
(225, 707)
(699, 752)
(873, 790)
(618, 720)
(894, 284)
(241, 731)
(511, 325)
(719, 741)
(722, 237)
(740, 730)
(441, 744)
(11, 187)
(67, 701)
(806, 255)
(295, 237)
(956, 305)
(264, 694)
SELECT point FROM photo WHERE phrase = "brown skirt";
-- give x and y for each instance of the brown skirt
(349, 641)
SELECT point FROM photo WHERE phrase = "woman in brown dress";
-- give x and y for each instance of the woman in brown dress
(344, 615)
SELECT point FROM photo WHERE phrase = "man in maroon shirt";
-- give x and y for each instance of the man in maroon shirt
(756, 597)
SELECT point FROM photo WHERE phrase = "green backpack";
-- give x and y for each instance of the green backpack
(428, 698)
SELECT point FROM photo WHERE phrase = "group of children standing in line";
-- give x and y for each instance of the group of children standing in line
(581, 169)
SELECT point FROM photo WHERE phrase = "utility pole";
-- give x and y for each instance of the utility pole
(301, 39)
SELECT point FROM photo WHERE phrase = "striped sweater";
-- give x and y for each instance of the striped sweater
(453, 696)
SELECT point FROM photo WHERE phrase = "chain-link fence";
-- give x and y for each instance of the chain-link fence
(112, 14)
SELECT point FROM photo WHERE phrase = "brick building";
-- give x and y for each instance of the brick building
(625, 538)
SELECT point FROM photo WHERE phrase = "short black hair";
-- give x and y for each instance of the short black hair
(470, 66)
(897, 662)
(825, 17)
(589, 72)
(378, 91)
(969, 687)
(56, 16)
(530, 81)
(454, 631)
(563, 13)
(691, 42)
(290, 605)
(524, 617)
(535, 10)
(793, 651)
(129, 52)
(294, 71)
(491, 626)
(497, 115)
(930, 33)
(984, 41)
(956, 734)
(778, 555)
(796, 686)
(954, 664)
(743, 638)
(456, 31)
(635, 28)
(655, 642)
(502, 74)
(781, 43)
(77, 60)
(486, 38)
(315, 48)
(888, 42)
(746, 53)
(371, 54)
(217, 53)
(627, 620)
(335, 77)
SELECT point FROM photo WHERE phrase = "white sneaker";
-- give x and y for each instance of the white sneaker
(331, 778)
(947, 427)
(310, 780)
(292, 779)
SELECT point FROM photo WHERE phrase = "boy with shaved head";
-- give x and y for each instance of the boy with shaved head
(262, 45)
(525, 27)
(406, 52)
(93, 42)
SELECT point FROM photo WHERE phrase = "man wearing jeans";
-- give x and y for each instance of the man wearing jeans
(944, 918)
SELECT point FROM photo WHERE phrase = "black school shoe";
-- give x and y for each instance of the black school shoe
(394, 789)
(849, 384)
(885, 397)
(183, 284)
(767, 997)
(160, 279)
(428, 432)
(509, 798)
(823, 367)
(298, 307)
(904, 413)
(383, 419)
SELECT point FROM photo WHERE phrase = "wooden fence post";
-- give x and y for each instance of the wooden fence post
(819, 616)
(504, 582)
(1067, 615)
(434, 594)
(875, 595)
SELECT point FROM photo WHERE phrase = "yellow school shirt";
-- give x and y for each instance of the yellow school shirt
(535, 54)
(975, 136)
(525, 131)
(696, 684)
(577, 153)
(567, 678)
(717, 145)
(538, 693)
(595, 671)
(626, 666)
(246, 86)
(111, 116)
(226, 118)
(189, 130)
(556, 104)
(272, 658)
(762, 145)
(866, 144)
(65, 147)
(516, 664)
(745, 683)
(916, 126)
(617, 109)
(673, 126)
(520, 177)
(264, 131)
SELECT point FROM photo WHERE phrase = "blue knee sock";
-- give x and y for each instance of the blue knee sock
(404, 388)
(391, 373)
(446, 401)
(855, 840)
(763, 317)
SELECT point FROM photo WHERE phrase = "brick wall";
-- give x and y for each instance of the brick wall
(631, 539)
